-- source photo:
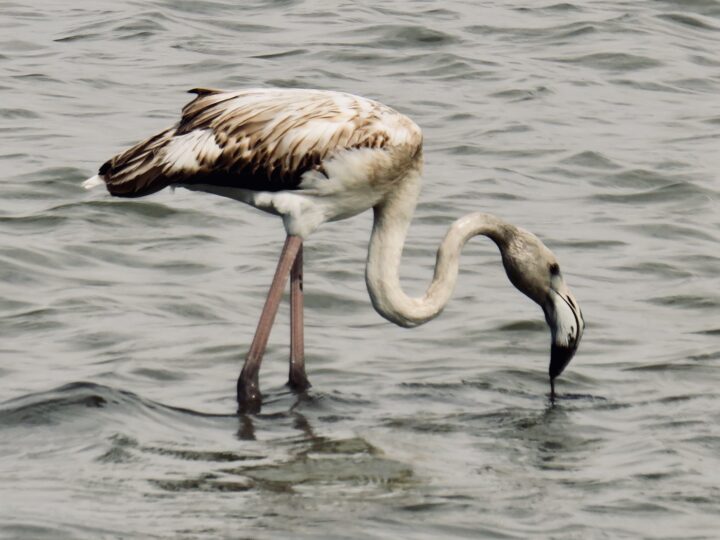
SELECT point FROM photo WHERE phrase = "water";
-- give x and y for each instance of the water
(123, 323)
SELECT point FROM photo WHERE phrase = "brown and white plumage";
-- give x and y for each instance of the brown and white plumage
(313, 156)
(242, 143)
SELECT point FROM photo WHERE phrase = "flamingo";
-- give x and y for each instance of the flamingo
(312, 156)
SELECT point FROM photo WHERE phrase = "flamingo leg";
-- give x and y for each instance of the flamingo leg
(297, 380)
(248, 388)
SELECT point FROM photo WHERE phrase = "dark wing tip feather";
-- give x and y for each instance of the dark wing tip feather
(204, 91)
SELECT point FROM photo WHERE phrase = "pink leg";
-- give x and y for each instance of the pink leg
(298, 379)
(248, 389)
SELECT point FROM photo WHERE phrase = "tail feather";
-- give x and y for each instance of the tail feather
(139, 170)
(95, 181)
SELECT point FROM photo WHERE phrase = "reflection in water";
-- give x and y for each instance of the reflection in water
(246, 431)
(311, 459)
(552, 439)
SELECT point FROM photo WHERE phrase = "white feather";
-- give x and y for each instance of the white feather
(93, 182)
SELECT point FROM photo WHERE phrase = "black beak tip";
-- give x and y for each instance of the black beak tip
(559, 359)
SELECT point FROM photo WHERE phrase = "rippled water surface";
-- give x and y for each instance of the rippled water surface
(595, 124)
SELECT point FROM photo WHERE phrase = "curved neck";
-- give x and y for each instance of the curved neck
(392, 218)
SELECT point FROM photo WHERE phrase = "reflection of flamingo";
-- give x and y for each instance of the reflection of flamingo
(313, 156)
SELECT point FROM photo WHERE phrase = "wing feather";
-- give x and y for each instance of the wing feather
(262, 139)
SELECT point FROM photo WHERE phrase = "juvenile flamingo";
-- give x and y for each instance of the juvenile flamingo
(313, 156)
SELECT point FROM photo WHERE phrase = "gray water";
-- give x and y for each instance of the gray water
(123, 323)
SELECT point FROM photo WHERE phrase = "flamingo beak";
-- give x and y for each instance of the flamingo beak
(566, 322)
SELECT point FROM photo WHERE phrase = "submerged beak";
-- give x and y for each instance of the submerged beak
(565, 319)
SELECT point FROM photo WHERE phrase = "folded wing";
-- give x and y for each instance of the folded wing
(263, 139)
